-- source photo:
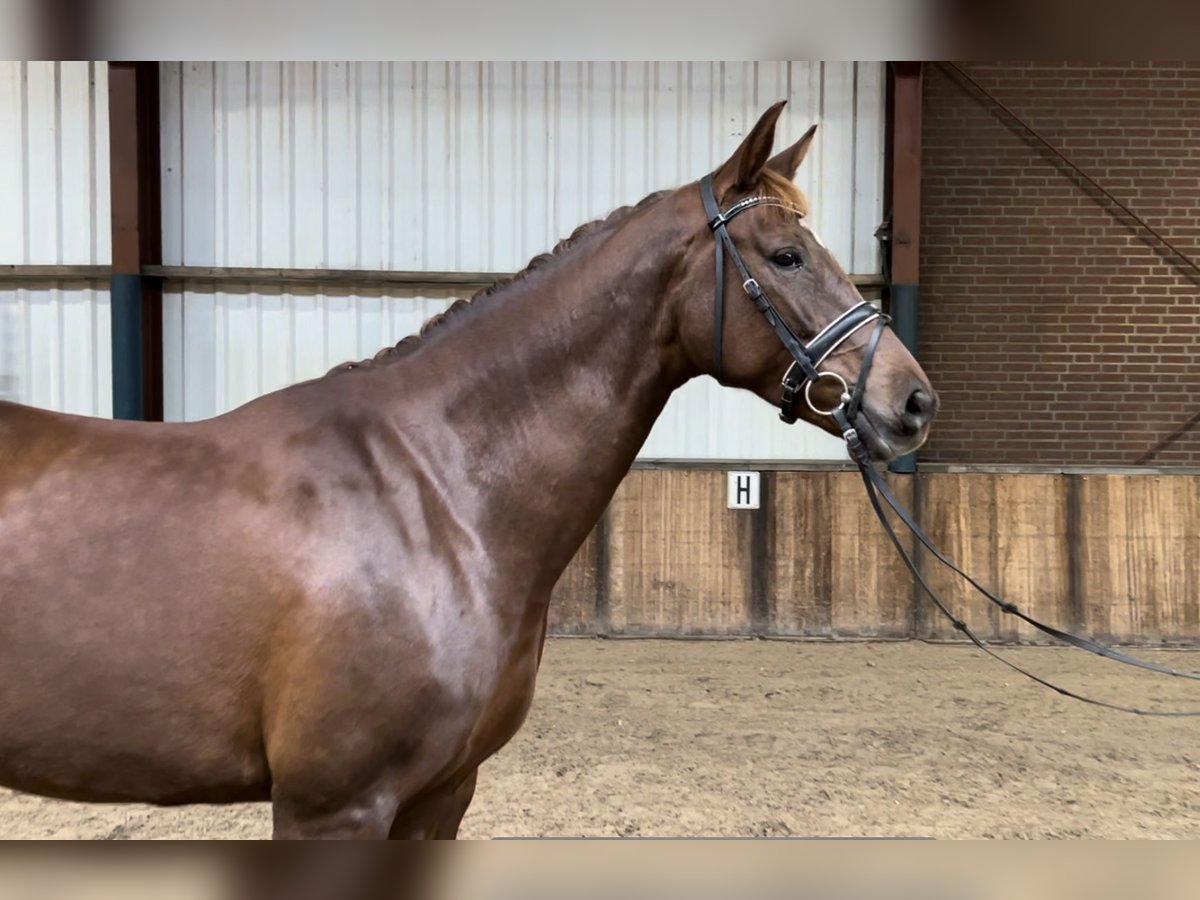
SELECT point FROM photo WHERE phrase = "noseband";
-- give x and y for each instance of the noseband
(804, 372)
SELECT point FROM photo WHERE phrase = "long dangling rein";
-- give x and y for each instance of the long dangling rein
(804, 373)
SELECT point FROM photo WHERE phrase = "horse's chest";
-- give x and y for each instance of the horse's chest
(508, 703)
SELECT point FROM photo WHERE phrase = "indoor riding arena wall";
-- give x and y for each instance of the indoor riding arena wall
(1058, 338)
(1110, 554)
(1056, 330)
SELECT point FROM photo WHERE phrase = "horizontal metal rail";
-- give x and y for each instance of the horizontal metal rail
(21, 274)
(237, 276)
(333, 277)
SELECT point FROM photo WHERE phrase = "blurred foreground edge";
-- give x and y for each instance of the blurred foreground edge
(599, 870)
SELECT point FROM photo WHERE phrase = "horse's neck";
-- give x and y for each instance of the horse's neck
(551, 386)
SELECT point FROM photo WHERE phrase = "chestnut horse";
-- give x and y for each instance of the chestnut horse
(334, 597)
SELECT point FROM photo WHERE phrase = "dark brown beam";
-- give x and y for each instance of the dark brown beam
(133, 111)
(905, 173)
(123, 168)
(904, 194)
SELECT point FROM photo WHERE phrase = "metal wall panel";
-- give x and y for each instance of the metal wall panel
(55, 340)
(222, 349)
(56, 347)
(468, 167)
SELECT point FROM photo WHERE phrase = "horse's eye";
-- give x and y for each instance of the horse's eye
(788, 259)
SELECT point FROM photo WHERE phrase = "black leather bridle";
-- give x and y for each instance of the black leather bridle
(805, 371)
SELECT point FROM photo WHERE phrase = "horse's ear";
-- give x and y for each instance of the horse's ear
(741, 170)
(787, 162)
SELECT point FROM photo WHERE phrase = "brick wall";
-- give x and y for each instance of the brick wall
(1053, 331)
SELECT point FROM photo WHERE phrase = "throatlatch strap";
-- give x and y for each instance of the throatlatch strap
(713, 212)
(719, 313)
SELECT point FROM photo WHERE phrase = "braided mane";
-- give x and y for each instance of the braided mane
(408, 344)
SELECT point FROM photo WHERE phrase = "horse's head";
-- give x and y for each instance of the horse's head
(800, 281)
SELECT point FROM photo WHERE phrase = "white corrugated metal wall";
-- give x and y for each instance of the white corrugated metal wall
(55, 338)
(468, 167)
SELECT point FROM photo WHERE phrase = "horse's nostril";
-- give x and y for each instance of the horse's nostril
(919, 409)
(918, 403)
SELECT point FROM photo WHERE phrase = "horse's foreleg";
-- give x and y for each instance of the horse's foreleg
(367, 818)
(436, 814)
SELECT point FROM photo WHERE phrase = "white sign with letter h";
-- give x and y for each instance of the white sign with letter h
(743, 490)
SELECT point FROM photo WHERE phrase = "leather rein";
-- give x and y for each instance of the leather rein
(799, 379)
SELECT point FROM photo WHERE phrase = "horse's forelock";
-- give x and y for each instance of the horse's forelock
(785, 189)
